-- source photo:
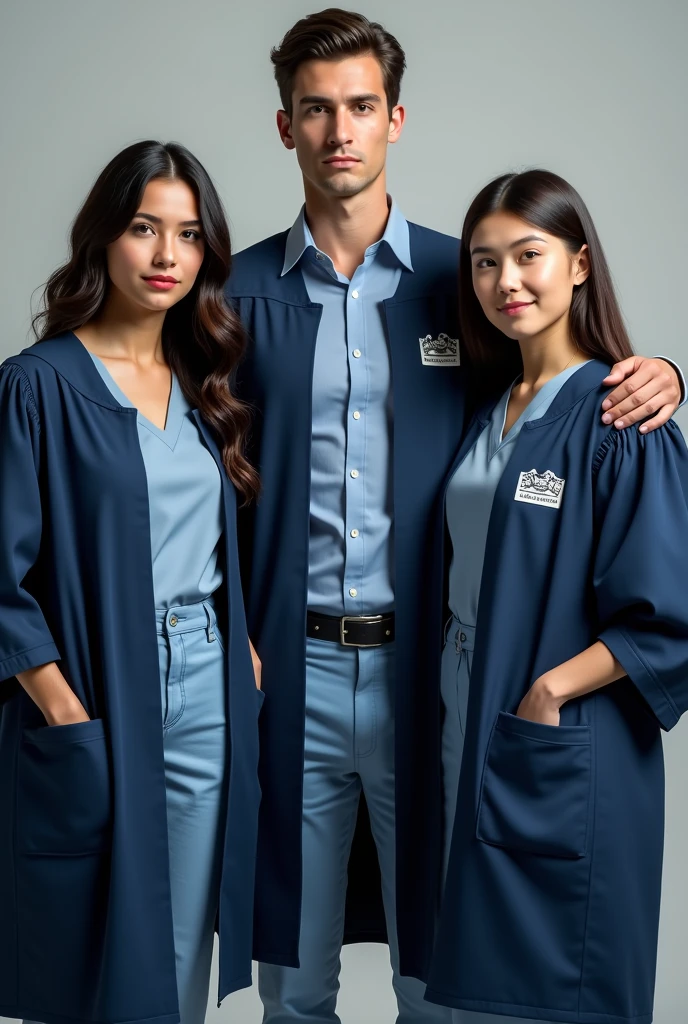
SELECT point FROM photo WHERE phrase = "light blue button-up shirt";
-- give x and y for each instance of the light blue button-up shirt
(351, 568)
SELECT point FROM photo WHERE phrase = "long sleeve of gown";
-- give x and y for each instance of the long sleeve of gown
(25, 639)
(641, 562)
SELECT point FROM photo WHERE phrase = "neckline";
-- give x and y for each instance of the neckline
(177, 406)
(554, 384)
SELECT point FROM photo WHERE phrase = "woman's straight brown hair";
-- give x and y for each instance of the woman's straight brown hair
(203, 338)
(549, 203)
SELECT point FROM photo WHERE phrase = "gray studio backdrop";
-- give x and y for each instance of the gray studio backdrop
(594, 90)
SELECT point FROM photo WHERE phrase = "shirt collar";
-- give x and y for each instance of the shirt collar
(396, 236)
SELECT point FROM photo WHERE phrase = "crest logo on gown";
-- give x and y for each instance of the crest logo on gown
(439, 351)
(540, 488)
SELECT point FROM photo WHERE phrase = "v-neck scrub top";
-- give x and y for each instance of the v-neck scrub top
(471, 492)
(184, 494)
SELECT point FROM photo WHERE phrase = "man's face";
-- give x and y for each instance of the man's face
(340, 125)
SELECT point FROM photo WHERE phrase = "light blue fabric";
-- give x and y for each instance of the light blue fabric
(468, 507)
(184, 494)
(349, 749)
(351, 537)
(193, 684)
(471, 492)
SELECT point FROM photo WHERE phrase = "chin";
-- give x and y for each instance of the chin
(156, 303)
(343, 187)
(346, 184)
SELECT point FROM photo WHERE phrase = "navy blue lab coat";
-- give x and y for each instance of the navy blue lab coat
(276, 378)
(552, 898)
(86, 926)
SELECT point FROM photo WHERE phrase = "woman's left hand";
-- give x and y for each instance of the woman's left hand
(540, 704)
(257, 665)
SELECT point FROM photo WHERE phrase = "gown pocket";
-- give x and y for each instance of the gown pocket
(64, 802)
(535, 789)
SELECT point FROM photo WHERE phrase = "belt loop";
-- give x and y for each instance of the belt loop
(209, 628)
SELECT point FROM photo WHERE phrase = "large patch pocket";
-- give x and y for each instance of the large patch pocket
(64, 802)
(536, 786)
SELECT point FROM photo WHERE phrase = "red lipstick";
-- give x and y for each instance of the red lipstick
(512, 308)
(161, 282)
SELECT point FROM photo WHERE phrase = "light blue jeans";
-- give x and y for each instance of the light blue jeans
(457, 659)
(193, 682)
(349, 748)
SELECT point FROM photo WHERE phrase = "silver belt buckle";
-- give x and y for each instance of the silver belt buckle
(356, 618)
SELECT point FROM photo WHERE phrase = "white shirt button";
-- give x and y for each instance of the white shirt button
(354, 294)
(353, 592)
(357, 353)
(354, 473)
(357, 415)
(354, 533)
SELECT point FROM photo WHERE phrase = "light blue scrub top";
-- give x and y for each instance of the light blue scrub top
(351, 555)
(471, 492)
(184, 494)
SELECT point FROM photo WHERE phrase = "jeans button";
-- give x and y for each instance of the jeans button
(173, 620)
(462, 638)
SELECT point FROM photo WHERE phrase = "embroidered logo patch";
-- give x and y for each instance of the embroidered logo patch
(540, 488)
(440, 351)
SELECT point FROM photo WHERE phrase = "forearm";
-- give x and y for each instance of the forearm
(588, 671)
(50, 691)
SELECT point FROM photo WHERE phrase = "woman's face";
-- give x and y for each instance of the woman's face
(523, 277)
(155, 262)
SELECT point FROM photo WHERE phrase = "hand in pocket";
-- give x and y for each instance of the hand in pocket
(540, 705)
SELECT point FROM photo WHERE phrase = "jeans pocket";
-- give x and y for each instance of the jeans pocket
(64, 802)
(535, 789)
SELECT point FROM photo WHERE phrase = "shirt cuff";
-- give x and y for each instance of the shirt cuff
(681, 378)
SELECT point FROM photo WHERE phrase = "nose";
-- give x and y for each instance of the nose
(340, 130)
(166, 255)
(509, 278)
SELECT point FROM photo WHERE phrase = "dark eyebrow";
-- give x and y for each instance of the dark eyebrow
(521, 241)
(158, 220)
(326, 101)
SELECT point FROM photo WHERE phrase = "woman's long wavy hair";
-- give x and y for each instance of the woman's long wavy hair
(203, 339)
(549, 203)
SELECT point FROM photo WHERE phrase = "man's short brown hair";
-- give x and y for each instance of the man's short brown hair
(335, 34)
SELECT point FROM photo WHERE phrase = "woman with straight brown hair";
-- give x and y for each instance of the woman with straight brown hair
(128, 702)
(567, 644)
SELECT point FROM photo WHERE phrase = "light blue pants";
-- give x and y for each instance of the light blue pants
(193, 681)
(457, 659)
(349, 748)
(192, 678)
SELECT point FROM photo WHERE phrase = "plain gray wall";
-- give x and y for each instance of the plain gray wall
(594, 90)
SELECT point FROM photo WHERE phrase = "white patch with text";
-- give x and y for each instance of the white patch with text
(540, 488)
(440, 351)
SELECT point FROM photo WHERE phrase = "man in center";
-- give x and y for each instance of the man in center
(354, 371)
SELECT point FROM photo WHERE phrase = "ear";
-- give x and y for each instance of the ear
(284, 129)
(396, 123)
(581, 266)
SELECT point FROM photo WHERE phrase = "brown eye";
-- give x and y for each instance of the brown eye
(529, 254)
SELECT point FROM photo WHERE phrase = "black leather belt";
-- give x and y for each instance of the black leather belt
(351, 630)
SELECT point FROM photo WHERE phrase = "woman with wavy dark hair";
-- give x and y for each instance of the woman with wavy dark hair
(129, 698)
(567, 640)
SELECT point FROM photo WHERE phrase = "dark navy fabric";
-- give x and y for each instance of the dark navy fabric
(552, 898)
(85, 926)
(276, 378)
